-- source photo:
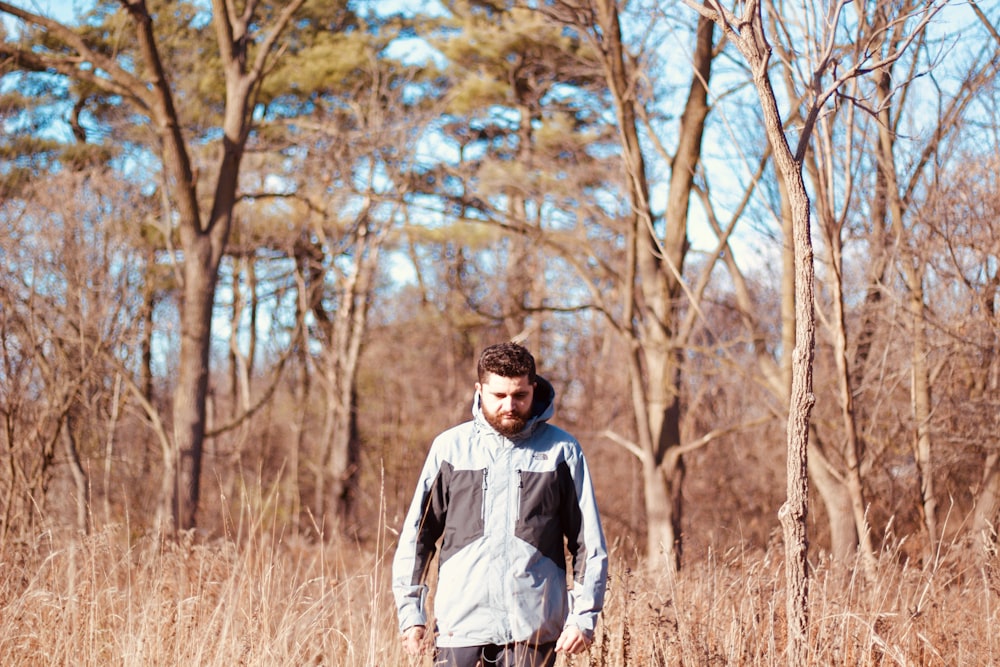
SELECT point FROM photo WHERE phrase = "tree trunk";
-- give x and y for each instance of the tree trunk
(520, 274)
(837, 503)
(793, 513)
(343, 463)
(662, 535)
(795, 369)
(651, 320)
(109, 447)
(984, 517)
(920, 387)
(851, 444)
(921, 397)
(200, 274)
(146, 342)
(345, 333)
(986, 514)
(182, 469)
(81, 484)
(240, 364)
(336, 481)
(203, 246)
(302, 389)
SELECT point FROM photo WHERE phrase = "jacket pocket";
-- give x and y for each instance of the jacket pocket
(540, 501)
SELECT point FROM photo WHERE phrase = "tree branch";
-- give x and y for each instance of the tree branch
(715, 434)
(860, 68)
(120, 82)
(626, 444)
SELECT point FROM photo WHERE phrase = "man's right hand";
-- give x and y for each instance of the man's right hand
(413, 639)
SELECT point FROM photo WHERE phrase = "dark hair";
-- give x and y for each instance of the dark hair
(508, 360)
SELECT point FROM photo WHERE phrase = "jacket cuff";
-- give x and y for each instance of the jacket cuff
(411, 618)
(584, 624)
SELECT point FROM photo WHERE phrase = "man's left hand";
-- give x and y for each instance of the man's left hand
(572, 641)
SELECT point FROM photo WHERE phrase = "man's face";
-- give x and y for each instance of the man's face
(506, 402)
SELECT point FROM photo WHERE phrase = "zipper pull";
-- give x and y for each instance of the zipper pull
(482, 509)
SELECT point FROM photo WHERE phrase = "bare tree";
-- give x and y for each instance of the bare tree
(69, 318)
(651, 321)
(961, 247)
(831, 166)
(644, 284)
(246, 48)
(896, 197)
(748, 34)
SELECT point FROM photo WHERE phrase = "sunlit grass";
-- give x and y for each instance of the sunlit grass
(267, 599)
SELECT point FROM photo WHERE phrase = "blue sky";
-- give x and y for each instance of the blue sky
(62, 10)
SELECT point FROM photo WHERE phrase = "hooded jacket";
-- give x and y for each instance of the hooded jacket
(506, 510)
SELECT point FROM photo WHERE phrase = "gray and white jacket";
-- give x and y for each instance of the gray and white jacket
(505, 511)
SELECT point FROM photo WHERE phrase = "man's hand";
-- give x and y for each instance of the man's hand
(572, 641)
(413, 639)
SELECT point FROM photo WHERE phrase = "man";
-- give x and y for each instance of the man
(507, 493)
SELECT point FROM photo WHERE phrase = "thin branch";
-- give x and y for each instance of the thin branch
(266, 46)
(860, 69)
(717, 433)
(121, 82)
(626, 444)
(985, 21)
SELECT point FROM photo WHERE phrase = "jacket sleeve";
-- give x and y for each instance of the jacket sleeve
(587, 547)
(418, 537)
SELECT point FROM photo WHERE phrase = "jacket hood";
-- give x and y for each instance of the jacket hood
(542, 408)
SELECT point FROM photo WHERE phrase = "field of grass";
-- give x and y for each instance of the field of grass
(112, 599)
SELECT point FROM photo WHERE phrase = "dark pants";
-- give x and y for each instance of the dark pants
(511, 655)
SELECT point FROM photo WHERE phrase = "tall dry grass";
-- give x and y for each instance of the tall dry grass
(262, 598)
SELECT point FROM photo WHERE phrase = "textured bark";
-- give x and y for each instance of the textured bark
(752, 43)
(200, 274)
(852, 446)
(793, 512)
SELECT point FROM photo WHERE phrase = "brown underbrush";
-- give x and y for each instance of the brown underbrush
(271, 599)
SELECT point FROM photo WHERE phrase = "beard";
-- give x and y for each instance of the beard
(507, 424)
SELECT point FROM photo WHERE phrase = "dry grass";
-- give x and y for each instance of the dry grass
(105, 600)
(109, 599)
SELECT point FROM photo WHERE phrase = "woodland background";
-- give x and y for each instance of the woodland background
(252, 250)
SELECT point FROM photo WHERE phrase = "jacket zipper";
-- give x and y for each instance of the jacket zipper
(517, 500)
(482, 508)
